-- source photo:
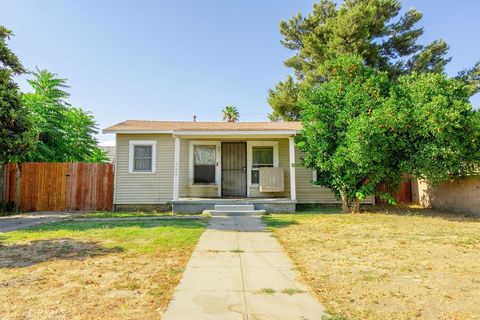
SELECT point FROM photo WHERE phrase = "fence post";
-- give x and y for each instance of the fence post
(18, 175)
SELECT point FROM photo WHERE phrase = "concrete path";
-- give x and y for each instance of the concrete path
(239, 271)
(20, 221)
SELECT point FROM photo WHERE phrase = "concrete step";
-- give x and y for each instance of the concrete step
(235, 212)
(234, 207)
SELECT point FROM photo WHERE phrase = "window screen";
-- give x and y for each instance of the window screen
(204, 162)
(261, 157)
(142, 158)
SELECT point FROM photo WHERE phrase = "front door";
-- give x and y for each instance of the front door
(234, 169)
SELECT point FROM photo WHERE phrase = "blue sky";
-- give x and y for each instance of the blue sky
(168, 60)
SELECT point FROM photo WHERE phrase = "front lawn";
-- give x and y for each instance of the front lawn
(94, 270)
(402, 264)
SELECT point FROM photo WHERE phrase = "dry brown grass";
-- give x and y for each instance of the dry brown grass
(394, 265)
(94, 270)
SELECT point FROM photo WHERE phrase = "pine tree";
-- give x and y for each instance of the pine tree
(15, 136)
(371, 29)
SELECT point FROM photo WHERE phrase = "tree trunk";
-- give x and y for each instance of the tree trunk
(18, 174)
(356, 205)
(345, 206)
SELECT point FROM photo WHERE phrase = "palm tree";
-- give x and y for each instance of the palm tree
(230, 114)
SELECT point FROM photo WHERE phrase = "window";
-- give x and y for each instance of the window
(204, 163)
(261, 157)
(142, 156)
(260, 154)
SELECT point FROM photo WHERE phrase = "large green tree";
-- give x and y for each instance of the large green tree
(15, 124)
(63, 133)
(362, 129)
(375, 30)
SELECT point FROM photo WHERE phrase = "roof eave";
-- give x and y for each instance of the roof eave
(207, 133)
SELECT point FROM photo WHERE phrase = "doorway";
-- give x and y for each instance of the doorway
(234, 169)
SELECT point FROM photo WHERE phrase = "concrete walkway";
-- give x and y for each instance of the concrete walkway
(20, 221)
(239, 271)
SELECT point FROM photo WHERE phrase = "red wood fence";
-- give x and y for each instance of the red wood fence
(58, 186)
(402, 195)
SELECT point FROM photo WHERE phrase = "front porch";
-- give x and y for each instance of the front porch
(255, 168)
(197, 205)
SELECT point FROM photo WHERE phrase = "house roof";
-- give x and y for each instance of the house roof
(141, 126)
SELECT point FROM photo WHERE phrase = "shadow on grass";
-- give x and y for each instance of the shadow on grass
(400, 210)
(274, 223)
(90, 225)
(317, 208)
(407, 210)
(38, 251)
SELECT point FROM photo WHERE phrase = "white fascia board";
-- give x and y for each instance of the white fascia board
(236, 133)
(138, 131)
(209, 133)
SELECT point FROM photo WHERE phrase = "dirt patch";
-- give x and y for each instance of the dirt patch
(377, 266)
(30, 253)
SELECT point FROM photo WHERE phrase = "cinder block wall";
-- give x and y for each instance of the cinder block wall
(461, 195)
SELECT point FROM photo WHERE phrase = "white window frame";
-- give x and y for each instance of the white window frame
(131, 151)
(314, 178)
(250, 145)
(218, 167)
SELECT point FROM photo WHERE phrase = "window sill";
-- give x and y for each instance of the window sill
(203, 185)
(141, 172)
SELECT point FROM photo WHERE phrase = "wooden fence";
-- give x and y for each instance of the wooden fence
(403, 195)
(58, 186)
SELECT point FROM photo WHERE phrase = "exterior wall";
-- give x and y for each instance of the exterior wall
(158, 187)
(461, 196)
(310, 193)
(194, 191)
(306, 191)
(131, 188)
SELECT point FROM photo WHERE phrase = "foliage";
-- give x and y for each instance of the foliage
(442, 129)
(63, 133)
(284, 101)
(15, 124)
(362, 129)
(371, 29)
(230, 114)
(332, 115)
(471, 77)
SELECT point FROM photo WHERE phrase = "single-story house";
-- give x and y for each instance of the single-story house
(195, 165)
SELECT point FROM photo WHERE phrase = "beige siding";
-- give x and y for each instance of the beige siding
(144, 188)
(158, 188)
(306, 191)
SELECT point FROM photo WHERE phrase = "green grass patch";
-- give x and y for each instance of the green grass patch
(123, 214)
(136, 236)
